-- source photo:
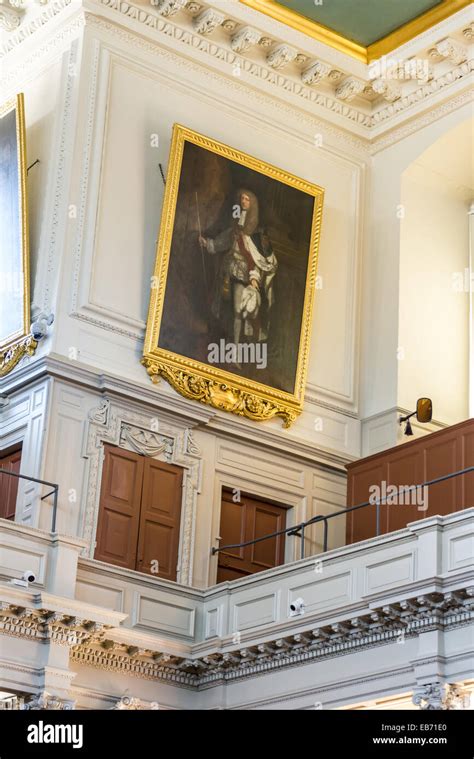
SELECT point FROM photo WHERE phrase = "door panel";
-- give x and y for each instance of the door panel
(267, 519)
(160, 518)
(9, 485)
(246, 520)
(119, 517)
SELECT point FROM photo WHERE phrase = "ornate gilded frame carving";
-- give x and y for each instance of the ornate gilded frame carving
(217, 387)
(16, 344)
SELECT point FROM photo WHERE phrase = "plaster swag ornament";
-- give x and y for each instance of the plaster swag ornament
(145, 442)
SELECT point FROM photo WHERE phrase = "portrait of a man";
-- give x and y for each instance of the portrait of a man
(239, 261)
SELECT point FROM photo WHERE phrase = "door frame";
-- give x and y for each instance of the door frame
(140, 433)
(295, 504)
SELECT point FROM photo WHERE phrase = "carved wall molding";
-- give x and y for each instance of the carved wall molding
(129, 703)
(10, 15)
(44, 700)
(315, 73)
(206, 20)
(110, 423)
(440, 696)
(349, 88)
(28, 28)
(281, 55)
(168, 7)
(379, 626)
(244, 39)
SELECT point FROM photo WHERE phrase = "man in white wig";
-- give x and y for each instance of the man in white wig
(247, 271)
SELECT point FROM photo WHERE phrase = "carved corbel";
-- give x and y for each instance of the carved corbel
(349, 88)
(207, 21)
(244, 39)
(281, 56)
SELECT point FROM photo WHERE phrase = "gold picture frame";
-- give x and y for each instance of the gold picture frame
(239, 390)
(15, 338)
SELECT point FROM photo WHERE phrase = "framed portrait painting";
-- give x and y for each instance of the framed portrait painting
(234, 282)
(15, 340)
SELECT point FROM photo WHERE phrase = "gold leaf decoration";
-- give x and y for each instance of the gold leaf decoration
(220, 395)
(11, 355)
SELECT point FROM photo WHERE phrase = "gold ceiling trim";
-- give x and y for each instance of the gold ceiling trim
(337, 41)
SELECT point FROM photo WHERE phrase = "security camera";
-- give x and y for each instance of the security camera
(39, 328)
(26, 578)
(297, 607)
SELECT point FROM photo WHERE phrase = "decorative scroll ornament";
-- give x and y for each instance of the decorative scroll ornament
(315, 73)
(388, 89)
(244, 39)
(100, 414)
(349, 88)
(12, 354)
(219, 395)
(281, 56)
(452, 50)
(10, 15)
(207, 21)
(440, 696)
(169, 7)
(134, 704)
(45, 700)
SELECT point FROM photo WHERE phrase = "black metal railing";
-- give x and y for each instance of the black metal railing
(298, 530)
(54, 492)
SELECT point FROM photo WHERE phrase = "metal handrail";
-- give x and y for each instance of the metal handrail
(54, 492)
(298, 530)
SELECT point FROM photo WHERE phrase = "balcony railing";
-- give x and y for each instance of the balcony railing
(299, 529)
(54, 492)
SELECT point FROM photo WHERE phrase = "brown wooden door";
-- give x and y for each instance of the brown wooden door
(119, 516)
(9, 485)
(140, 512)
(248, 519)
(160, 519)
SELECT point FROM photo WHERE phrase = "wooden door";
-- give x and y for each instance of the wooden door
(248, 519)
(119, 515)
(9, 485)
(160, 519)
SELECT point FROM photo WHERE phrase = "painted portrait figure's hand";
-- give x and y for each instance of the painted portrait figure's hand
(202, 241)
(254, 283)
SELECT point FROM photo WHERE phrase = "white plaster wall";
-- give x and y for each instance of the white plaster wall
(434, 315)
(381, 279)
(126, 97)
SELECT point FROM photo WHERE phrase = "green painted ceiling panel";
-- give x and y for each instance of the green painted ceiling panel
(363, 21)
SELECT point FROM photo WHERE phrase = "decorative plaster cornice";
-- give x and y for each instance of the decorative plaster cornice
(374, 627)
(169, 19)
